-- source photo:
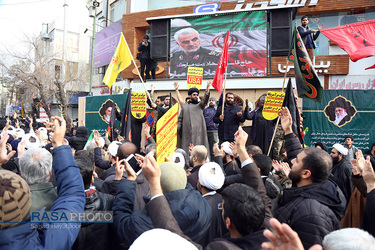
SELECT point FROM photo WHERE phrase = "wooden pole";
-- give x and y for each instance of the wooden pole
(278, 118)
(225, 81)
(135, 65)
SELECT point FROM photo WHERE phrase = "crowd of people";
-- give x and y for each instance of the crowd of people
(215, 192)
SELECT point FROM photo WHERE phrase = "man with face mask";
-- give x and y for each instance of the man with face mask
(341, 170)
(229, 120)
(191, 124)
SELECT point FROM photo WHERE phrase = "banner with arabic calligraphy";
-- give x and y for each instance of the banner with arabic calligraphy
(198, 42)
(96, 108)
(272, 105)
(166, 134)
(307, 81)
(138, 104)
(341, 113)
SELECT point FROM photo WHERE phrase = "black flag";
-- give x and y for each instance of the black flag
(126, 116)
(291, 103)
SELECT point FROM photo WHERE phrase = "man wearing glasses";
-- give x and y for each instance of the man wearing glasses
(192, 54)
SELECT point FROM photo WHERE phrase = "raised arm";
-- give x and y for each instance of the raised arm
(251, 174)
(150, 102)
(292, 145)
(179, 97)
(206, 96)
(158, 208)
(70, 190)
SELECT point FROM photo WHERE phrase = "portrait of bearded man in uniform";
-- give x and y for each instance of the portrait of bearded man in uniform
(191, 54)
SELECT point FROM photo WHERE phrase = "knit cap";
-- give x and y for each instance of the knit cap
(15, 201)
(172, 178)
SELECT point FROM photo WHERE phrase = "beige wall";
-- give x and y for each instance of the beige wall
(251, 94)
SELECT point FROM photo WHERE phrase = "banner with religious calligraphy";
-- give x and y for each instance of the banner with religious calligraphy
(166, 134)
(307, 81)
(198, 42)
(272, 105)
(341, 113)
(138, 104)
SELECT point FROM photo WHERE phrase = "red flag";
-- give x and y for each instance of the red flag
(221, 67)
(357, 39)
(371, 67)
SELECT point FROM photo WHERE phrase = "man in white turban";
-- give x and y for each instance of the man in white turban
(342, 170)
(211, 178)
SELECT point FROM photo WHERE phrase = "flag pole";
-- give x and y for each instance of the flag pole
(278, 118)
(135, 65)
(225, 81)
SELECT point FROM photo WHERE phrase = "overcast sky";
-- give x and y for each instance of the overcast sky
(20, 17)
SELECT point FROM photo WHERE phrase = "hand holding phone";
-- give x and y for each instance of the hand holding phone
(133, 162)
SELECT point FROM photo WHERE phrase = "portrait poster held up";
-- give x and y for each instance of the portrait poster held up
(166, 134)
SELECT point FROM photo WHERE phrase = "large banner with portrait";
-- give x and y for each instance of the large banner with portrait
(98, 111)
(341, 113)
(198, 42)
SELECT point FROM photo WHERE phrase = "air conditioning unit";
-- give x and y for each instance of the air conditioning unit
(45, 35)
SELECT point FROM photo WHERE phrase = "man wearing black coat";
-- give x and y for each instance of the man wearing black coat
(144, 48)
(314, 206)
(191, 210)
(230, 120)
(94, 235)
(341, 170)
(244, 208)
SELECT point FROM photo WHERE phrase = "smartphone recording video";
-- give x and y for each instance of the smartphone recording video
(133, 162)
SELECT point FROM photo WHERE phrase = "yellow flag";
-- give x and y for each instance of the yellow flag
(120, 61)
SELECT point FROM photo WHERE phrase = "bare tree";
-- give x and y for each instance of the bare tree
(40, 69)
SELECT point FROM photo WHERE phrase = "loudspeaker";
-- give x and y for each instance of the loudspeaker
(281, 30)
(159, 36)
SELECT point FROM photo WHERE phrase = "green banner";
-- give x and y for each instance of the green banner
(341, 113)
(98, 110)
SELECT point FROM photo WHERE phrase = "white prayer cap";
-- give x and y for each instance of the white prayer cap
(161, 239)
(43, 133)
(211, 176)
(113, 147)
(11, 130)
(20, 132)
(31, 141)
(225, 145)
(341, 149)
